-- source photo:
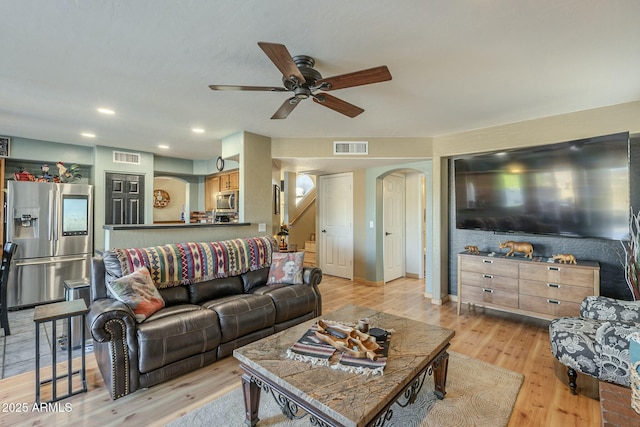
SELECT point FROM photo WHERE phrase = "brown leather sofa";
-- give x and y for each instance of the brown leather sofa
(200, 323)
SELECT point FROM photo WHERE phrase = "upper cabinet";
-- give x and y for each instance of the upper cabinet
(229, 181)
(216, 183)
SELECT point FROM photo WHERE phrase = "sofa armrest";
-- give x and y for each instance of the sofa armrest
(612, 344)
(102, 312)
(605, 308)
(113, 328)
(313, 276)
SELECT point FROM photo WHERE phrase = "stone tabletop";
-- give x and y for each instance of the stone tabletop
(59, 310)
(352, 399)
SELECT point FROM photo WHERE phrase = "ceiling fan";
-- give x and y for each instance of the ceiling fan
(299, 77)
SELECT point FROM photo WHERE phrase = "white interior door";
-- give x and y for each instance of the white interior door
(394, 227)
(335, 208)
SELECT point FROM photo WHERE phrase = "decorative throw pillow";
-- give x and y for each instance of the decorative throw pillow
(138, 291)
(286, 267)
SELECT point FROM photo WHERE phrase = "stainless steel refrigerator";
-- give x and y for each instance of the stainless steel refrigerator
(53, 227)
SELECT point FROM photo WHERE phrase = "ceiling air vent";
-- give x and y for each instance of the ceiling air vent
(350, 147)
(122, 157)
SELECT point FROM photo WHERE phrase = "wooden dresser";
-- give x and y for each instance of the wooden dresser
(309, 253)
(534, 288)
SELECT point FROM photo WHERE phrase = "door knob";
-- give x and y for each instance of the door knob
(387, 233)
(324, 231)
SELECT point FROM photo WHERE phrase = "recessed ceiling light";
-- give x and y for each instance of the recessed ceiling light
(198, 130)
(106, 111)
(88, 134)
(163, 146)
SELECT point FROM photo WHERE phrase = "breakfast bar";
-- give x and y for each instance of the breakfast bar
(143, 235)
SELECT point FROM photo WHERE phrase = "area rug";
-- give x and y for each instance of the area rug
(478, 394)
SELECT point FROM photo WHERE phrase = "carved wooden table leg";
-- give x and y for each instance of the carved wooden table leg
(440, 366)
(251, 393)
(573, 375)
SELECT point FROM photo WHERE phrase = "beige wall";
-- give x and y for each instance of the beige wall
(548, 130)
(410, 148)
(256, 181)
(360, 223)
(177, 189)
(161, 235)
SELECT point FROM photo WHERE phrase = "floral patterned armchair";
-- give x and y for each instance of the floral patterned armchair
(596, 343)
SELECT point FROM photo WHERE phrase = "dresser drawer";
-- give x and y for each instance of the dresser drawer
(474, 294)
(471, 278)
(310, 258)
(549, 306)
(554, 291)
(558, 273)
(488, 266)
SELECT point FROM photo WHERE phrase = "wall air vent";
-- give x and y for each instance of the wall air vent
(123, 157)
(341, 148)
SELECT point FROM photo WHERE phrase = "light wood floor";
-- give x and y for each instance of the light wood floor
(513, 342)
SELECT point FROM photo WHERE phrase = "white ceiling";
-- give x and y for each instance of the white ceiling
(456, 65)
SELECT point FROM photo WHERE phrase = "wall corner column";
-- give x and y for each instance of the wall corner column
(439, 273)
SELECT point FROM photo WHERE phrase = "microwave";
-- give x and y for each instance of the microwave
(227, 201)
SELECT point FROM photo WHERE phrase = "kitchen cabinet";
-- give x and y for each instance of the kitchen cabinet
(211, 189)
(227, 181)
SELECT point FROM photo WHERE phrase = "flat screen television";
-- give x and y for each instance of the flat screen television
(576, 188)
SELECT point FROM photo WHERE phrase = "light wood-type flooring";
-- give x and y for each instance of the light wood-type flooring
(513, 342)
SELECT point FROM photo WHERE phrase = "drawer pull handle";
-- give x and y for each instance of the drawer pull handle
(487, 261)
(489, 291)
(554, 268)
(487, 276)
(553, 301)
(553, 285)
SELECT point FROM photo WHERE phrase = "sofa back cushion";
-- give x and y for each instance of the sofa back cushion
(112, 268)
(213, 289)
(175, 295)
(253, 279)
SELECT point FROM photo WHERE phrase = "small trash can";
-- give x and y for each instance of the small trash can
(73, 290)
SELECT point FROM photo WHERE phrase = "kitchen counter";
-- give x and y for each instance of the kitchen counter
(145, 235)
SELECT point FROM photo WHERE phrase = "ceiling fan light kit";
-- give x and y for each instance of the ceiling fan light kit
(299, 77)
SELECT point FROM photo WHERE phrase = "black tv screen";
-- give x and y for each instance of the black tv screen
(577, 188)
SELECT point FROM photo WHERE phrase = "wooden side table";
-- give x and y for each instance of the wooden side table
(51, 313)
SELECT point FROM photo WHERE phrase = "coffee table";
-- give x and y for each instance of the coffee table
(332, 397)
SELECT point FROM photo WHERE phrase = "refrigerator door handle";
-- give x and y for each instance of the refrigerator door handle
(56, 206)
(50, 216)
(50, 261)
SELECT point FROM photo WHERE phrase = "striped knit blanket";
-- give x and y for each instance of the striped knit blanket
(185, 263)
(310, 349)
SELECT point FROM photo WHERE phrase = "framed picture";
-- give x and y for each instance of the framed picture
(5, 143)
(276, 199)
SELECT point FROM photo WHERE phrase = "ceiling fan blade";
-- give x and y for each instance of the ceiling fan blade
(357, 78)
(337, 104)
(257, 88)
(286, 108)
(280, 56)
